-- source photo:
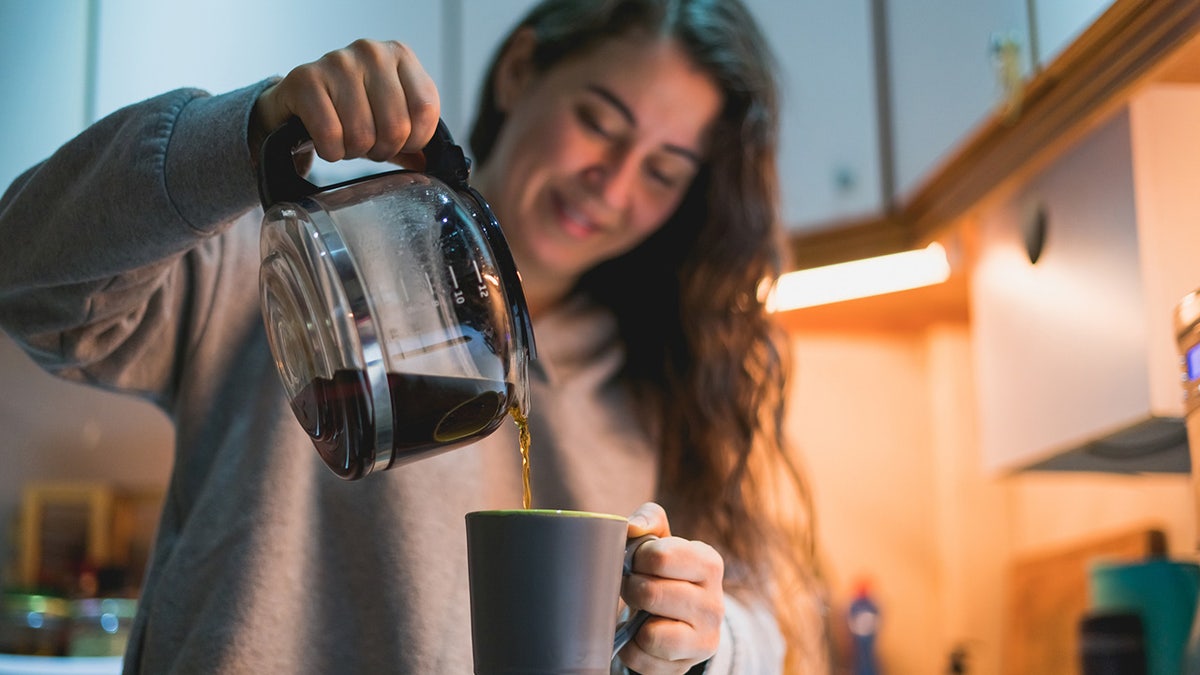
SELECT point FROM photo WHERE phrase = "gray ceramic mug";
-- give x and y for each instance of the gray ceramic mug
(545, 586)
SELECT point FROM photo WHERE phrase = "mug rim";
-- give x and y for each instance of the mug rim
(544, 513)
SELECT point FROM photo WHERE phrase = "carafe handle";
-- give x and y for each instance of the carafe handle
(278, 180)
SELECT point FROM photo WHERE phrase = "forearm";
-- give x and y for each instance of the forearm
(95, 235)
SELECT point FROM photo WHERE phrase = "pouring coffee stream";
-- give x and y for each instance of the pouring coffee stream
(393, 308)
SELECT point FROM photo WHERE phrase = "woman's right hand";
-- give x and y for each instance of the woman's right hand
(370, 99)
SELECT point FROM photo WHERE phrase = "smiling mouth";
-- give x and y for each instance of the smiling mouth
(576, 222)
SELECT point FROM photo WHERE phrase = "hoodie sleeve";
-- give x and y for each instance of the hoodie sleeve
(104, 239)
(751, 643)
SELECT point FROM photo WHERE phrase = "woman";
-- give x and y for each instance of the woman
(628, 150)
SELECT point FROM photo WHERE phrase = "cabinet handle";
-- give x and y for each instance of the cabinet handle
(1006, 55)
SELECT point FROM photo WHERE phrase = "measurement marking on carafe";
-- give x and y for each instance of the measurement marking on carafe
(458, 295)
(480, 287)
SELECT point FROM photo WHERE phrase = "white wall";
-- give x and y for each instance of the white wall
(861, 417)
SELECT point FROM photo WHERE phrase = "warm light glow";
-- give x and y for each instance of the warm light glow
(860, 278)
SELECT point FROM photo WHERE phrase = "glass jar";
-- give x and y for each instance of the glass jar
(33, 625)
(101, 626)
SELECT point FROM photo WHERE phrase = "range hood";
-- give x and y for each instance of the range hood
(1073, 294)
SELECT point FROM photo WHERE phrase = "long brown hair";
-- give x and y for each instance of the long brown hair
(701, 349)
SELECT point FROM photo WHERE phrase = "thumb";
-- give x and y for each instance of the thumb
(649, 518)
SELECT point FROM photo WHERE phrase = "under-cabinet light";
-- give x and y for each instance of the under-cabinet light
(860, 278)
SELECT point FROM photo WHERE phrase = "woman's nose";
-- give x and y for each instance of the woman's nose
(612, 179)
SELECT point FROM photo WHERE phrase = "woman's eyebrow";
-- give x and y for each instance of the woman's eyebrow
(627, 113)
(616, 102)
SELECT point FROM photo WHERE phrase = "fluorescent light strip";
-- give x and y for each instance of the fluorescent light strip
(860, 278)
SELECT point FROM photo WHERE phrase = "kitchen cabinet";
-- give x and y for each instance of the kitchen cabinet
(1058, 22)
(943, 73)
(43, 64)
(1075, 356)
(829, 153)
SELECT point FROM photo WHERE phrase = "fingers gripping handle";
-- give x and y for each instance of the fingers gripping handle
(628, 629)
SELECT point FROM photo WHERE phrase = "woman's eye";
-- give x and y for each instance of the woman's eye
(671, 177)
(593, 123)
(661, 178)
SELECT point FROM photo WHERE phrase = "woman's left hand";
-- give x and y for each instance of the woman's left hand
(678, 581)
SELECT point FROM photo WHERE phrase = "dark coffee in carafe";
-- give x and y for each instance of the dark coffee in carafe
(430, 414)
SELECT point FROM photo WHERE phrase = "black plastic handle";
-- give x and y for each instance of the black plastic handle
(278, 180)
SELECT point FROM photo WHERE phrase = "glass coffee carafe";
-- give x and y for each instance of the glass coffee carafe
(392, 305)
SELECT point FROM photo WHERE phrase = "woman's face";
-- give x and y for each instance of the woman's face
(595, 153)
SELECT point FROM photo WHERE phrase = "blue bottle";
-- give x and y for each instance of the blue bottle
(863, 617)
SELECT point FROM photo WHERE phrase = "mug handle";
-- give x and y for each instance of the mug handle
(627, 629)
